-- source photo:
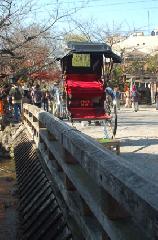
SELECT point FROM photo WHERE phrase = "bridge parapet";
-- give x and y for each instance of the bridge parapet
(102, 193)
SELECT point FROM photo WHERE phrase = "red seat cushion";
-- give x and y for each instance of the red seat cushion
(84, 86)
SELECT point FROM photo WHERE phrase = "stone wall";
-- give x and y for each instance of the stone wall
(6, 137)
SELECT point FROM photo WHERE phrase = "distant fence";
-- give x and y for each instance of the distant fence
(103, 196)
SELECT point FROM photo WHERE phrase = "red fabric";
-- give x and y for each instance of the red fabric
(88, 113)
(82, 89)
(1, 108)
(83, 86)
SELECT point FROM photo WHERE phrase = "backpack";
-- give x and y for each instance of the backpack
(17, 94)
(37, 96)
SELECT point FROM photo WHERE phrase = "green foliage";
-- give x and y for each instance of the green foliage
(117, 72)
(152, 64)
(147, 65)
(104, 140)
(117, 76)
(136, 67)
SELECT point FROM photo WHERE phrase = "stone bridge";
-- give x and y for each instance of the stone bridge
(98, 196)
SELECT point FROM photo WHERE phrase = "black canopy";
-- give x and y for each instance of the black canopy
(92, 47)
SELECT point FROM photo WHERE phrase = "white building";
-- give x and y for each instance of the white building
(138, 41)
(138, 44)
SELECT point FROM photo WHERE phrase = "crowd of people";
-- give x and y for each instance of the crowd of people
(131, 97)
(14, 95)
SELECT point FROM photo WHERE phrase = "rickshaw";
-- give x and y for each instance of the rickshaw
(82, 95)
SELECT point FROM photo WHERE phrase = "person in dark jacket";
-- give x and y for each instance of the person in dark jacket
(117, 97)
(37, 96)
(45, 99)
(16, 92)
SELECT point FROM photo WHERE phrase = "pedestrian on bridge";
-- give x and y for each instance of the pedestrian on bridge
(45, 99)
(37, 96)
(16, 92)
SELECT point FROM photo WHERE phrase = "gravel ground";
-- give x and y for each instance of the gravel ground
(8, 201)
(138, 135)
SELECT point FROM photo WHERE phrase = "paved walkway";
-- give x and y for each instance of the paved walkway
(138, 133)
(139, 137)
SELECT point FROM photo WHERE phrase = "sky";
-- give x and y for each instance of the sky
(127, 15)
(138, 15)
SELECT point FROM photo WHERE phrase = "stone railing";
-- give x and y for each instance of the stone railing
(104, 197)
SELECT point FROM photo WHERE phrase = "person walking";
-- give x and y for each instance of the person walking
(127, 99)
(56, 100)
(16, 93)
(134, 98)
(45, 99)
(117, 97)
(37, 96)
